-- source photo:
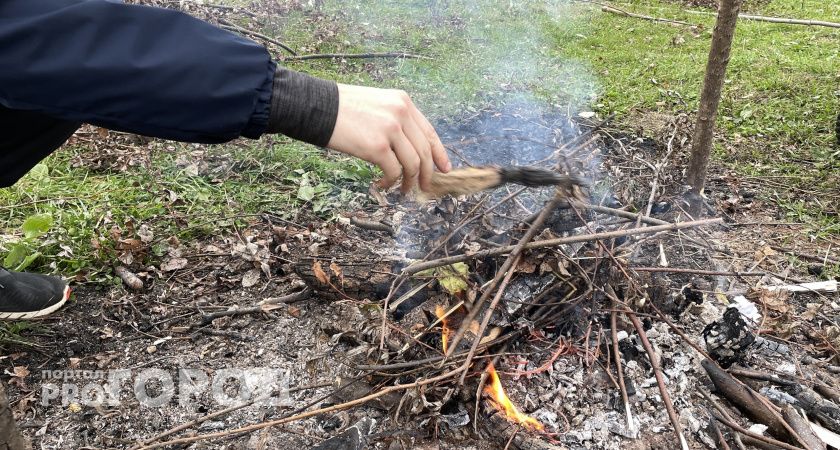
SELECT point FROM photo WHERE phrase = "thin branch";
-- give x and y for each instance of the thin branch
(401, 55)
(697, 271)
(515, 251)
(371, 225)
(234, 27)
(657, 371)
(419, 267)
(291, 298)
(304, 415)
(628, 412)
(657, 169)
(621, 12)
(488, 315)
(784, 20)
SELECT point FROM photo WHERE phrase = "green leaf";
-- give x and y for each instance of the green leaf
(453, 278)
(39, 173)
(17, 254)
(306, 193)
(37, 225)
(27, 261)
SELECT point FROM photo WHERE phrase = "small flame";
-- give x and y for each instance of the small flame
(502, 402)
(440, 312)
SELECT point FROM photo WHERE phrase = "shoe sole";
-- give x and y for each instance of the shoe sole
(40, 313)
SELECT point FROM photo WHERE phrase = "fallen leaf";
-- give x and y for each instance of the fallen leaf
(266, 307)
(319, 273)
(19, 371)
(174, 264)
(764, 253)
(294, 311)
(773, 300)
(526, 266)
(129, 244)
(19, 374)
(251, 278)
(127, 258)
(146, 234)
(337, 271)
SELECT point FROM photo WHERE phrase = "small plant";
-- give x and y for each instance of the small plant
(11, 334)
(25, 251)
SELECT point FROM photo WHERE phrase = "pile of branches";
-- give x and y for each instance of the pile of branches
(576, 253)
(439, 279)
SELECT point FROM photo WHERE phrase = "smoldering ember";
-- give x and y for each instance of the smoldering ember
(579, 280)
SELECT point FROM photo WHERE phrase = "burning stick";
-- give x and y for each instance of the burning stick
(471, 180)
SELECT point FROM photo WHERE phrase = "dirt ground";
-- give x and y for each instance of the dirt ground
(311, 343)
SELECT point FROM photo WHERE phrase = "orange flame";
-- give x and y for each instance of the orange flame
(440, 312)
(502, 402)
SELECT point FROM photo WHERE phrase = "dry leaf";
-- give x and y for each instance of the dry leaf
(493, 334)
(775, 301)
(251, 278)
(129, 244)
(319, 273)
(377, 195)
(764, 253)
(146, 234)
(526, 266)
(173, 264)
(294, 311)
(337, 271)
(266, 307)
(19, 372)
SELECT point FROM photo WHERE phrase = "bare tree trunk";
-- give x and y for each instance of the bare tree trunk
(701, 146)
(10, 438)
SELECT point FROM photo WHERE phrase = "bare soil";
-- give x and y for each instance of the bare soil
(316, 341)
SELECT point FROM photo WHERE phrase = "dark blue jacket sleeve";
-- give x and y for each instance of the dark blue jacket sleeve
(139, 69)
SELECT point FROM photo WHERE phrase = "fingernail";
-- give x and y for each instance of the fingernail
(448, 166)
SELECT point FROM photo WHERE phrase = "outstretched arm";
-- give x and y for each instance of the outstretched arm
(162, 73)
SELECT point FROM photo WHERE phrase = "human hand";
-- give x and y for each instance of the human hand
(383, 127)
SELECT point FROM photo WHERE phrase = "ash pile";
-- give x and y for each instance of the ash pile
(550, 318)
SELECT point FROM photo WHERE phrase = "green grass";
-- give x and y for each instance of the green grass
(11, 334)
(777, 113)
(776, 118)
(92, 211)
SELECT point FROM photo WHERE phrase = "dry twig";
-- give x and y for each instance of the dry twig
(233, 27)
(657, 371)
(614, 10)
(419, 267)
(783, 20)
(262, 307)
(401, 55)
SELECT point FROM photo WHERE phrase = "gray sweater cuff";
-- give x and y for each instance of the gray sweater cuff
(303, 107)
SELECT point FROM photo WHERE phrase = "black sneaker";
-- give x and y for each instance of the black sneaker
(28, 295)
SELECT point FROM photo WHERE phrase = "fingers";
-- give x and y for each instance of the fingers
(439, 155)
(391, 169)
(409, 159)
(422, 146)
